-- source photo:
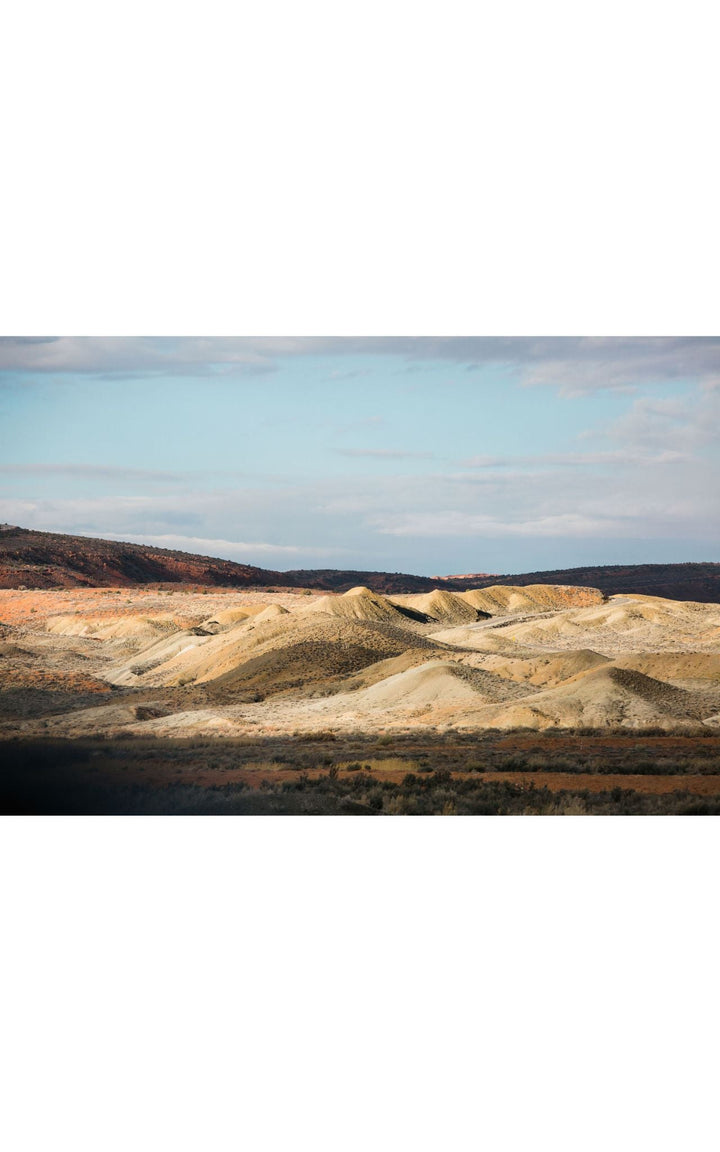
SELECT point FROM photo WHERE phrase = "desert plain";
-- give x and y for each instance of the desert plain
(205, 699)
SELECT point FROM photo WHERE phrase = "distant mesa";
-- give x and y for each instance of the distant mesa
(469, 576)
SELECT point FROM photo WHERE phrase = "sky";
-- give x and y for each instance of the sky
(426, 455)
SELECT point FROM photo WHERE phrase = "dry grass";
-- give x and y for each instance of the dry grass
(660, 775)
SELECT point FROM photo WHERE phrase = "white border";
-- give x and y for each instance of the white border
(324, 169)
(284, 169)
(316, 983)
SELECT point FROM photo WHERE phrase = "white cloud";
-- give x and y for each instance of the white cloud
(571, 365)
(684, 424)
(384, 453)
(97, 472)
(577, 459)
(452, 523)
(206, 546)
(643, 491)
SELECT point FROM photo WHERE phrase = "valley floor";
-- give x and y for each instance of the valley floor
(489, 774)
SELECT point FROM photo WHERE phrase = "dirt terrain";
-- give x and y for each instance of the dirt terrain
(173, 666)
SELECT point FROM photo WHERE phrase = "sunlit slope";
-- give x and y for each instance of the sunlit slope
(358, 604)
(439, 606)
(608, 697)
(506, 600)
(270, 652)
(546, 670)
(645, 622)
(503, 657)
(129, 627)
(620, 625)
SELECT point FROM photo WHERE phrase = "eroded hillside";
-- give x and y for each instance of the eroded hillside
(209, 663)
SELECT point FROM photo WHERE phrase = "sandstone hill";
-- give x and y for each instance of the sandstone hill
(200, 663)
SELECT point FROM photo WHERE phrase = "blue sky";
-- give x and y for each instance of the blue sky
(431, 456)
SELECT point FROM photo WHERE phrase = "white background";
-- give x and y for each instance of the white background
(373, 169)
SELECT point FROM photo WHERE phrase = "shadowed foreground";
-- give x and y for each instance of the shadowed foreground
(495, 774)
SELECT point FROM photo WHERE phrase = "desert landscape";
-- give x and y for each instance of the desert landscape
(542, 698)
(363, 576)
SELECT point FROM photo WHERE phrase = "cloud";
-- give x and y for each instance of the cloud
(209, 547)
(643, 494)
(384, 454)
(689, 423)
(453, 523)
(650, 475)
(369, 422)
(612, 457)
(571, 365)
(97, 472)
(129, 355)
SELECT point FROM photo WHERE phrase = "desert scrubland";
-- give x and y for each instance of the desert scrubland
(554, 698)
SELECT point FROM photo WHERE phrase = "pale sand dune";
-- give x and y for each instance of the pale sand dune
(555, 684)
(182, 659)
(435, 682)
(135, 627)
(314, 642)
(622, 625)
(545, 670)
(134, 671)
(692, 667)
(270, 613)
(358, 604)
(439, 606)
(390, 666)
(498, 600)
(605, 697)
(436, 695)
(550, 656)
(236, 615)
(507, 600)
(229, 616)
(430, 684)
(490, 637)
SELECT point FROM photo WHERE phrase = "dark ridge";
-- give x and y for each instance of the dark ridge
(54, 560)
(46, 560)
(342, 580)
(690, 581)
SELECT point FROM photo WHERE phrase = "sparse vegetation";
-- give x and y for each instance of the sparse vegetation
(600, 776)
